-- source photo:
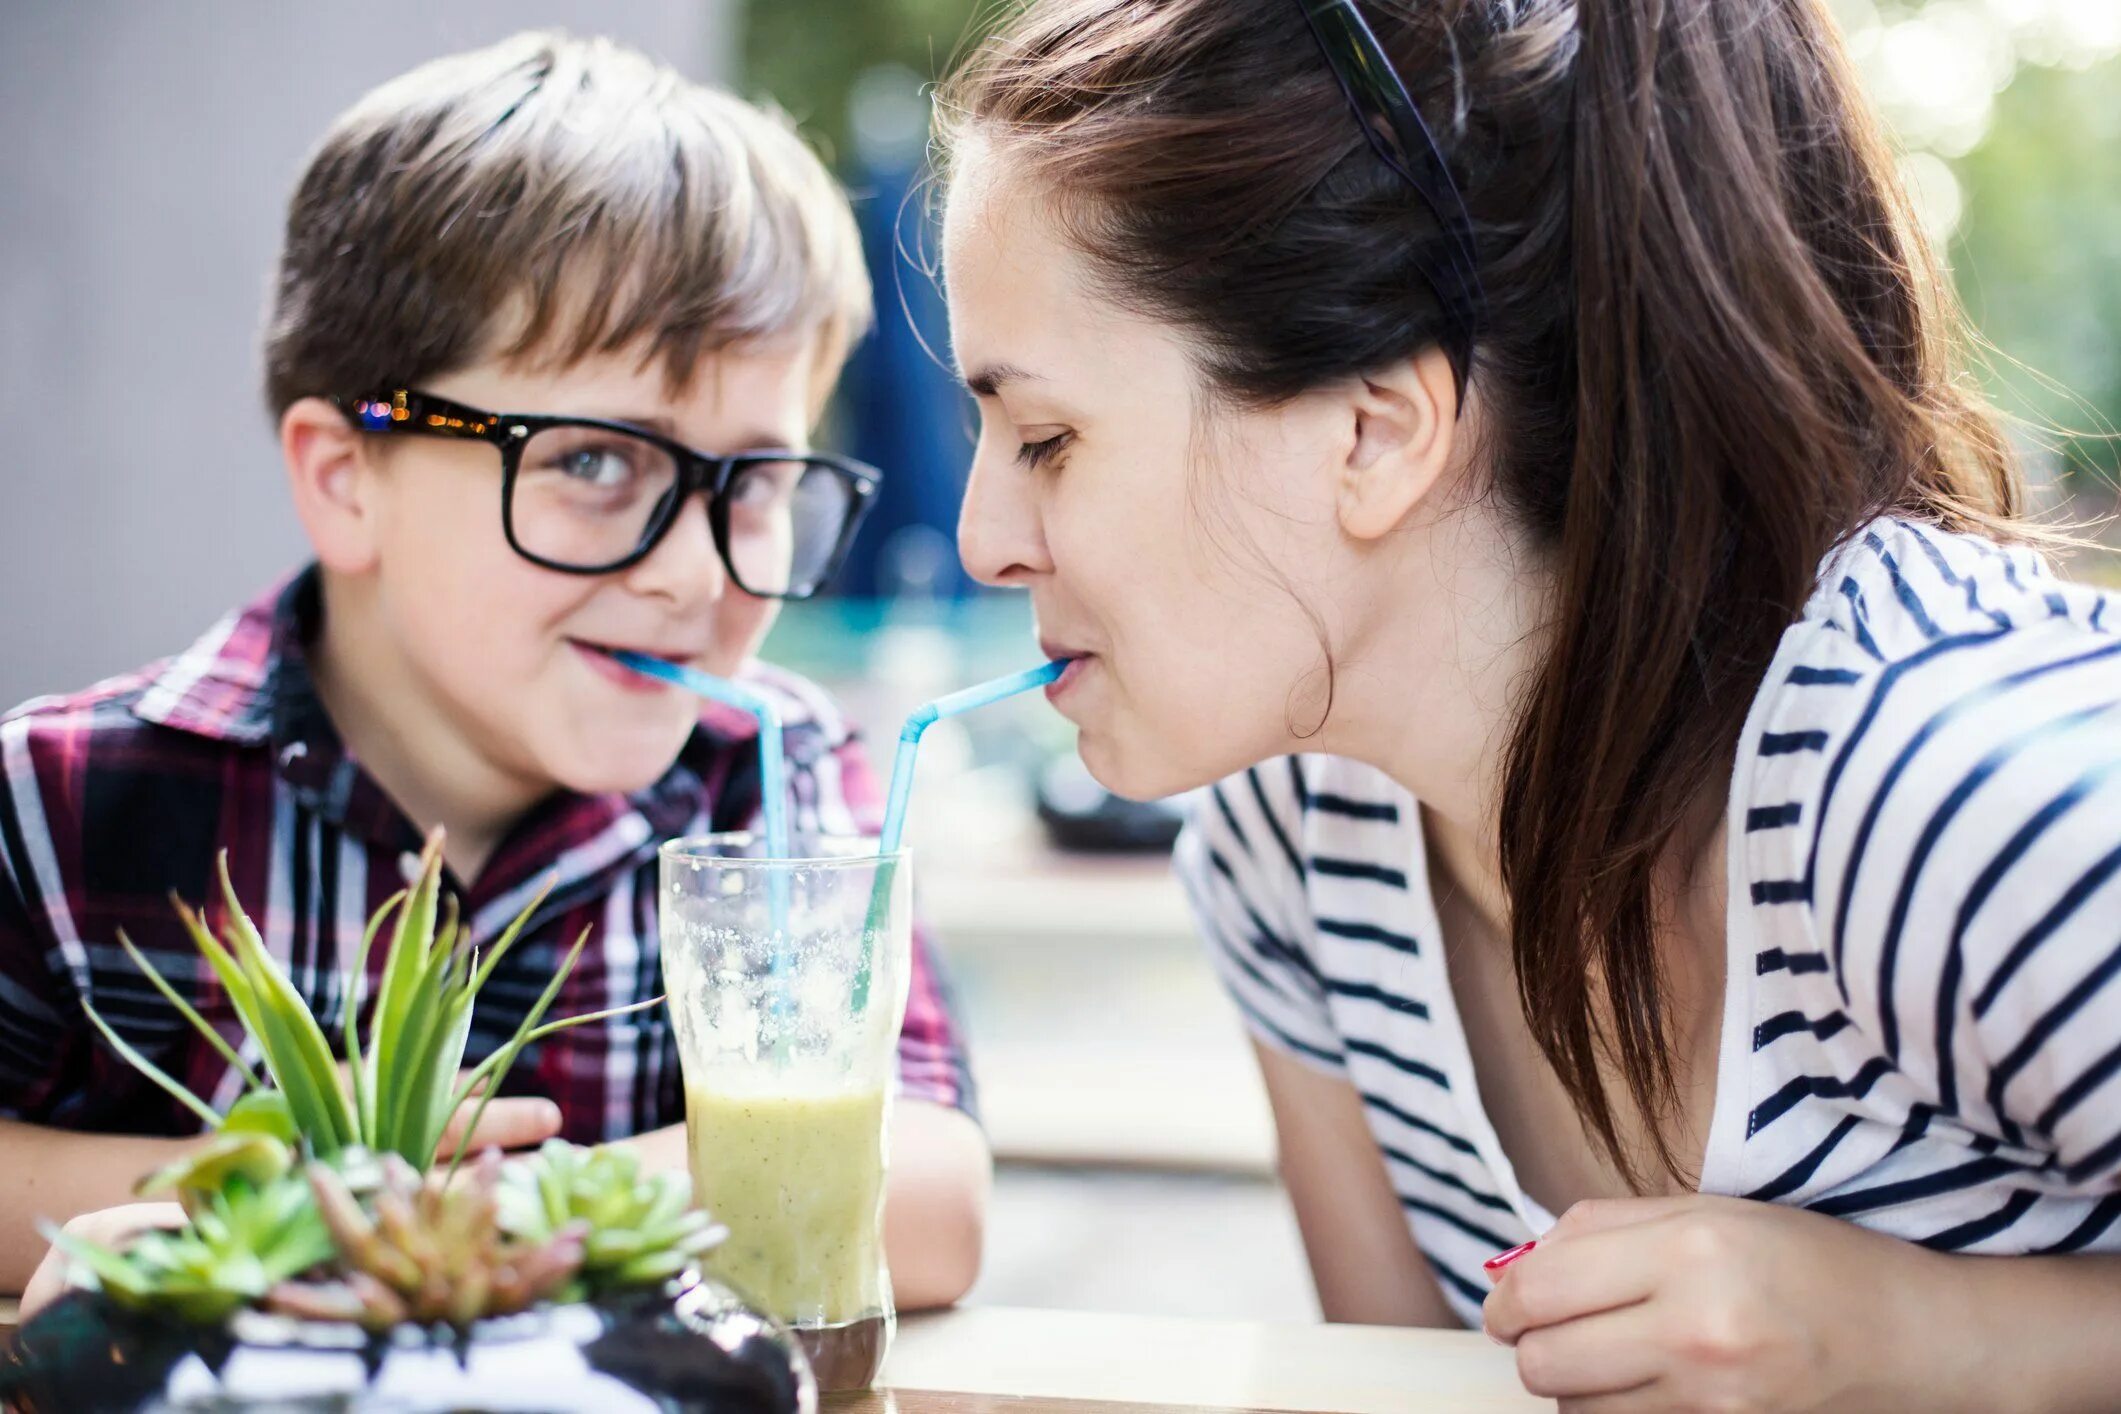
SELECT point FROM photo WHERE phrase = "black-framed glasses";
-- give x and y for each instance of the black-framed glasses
(583, 495)
(1398, 134)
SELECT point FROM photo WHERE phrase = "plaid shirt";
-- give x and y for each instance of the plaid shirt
(111, 799)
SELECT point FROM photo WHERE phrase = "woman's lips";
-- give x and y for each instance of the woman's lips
(1078, 664)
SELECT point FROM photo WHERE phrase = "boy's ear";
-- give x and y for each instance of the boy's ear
(1406, 421)
(328, 468)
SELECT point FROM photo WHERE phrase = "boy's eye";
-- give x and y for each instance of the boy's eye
(586, 461)
(764, 484)
(601, 467)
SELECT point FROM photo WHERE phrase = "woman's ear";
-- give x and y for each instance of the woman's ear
(1406, 421)
(329, 468)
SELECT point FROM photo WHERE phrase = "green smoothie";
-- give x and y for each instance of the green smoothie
(797, 1175)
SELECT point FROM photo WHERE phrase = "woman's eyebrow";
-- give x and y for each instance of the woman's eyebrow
(990, 378)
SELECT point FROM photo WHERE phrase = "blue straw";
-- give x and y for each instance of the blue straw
(773, 770)
(773, 765)
(909, 745)
(922, 718)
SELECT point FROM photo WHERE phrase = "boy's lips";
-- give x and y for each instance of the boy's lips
(598, 657)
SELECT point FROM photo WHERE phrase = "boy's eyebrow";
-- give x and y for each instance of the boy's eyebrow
(754, 440)
(990, 378)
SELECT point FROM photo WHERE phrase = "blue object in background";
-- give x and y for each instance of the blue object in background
(904, 410)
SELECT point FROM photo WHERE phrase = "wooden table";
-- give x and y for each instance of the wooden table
(998, 1360)
(987, 1360)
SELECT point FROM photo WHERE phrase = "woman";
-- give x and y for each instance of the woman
(1516, 451)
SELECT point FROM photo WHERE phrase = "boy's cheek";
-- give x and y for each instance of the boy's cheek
(745, 622)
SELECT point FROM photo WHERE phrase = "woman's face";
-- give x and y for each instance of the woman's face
(1170, 546)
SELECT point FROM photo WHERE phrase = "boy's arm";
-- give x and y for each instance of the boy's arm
(45, 1173)
(57, 1174)
(54, 1174)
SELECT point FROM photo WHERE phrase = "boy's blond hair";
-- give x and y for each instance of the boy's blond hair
(548, 198)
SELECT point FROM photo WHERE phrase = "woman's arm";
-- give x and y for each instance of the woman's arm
(1363, 1259)
(1693, 1302)
(935, 1199)
(2043, 1326)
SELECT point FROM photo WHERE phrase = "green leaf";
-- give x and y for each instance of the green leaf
(258, 1159)
(112, 1270)
(152, 1071)
(301, 1056)
(648, 1267)
(508, 936)
(213, 1037)
(426, 1073)
(404, 972)
(435, 1108)
(224, 966)
(357, 1069)
(309, 1104)
(262, 1112)
(506, 1055)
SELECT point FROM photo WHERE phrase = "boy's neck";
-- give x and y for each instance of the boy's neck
(390, 723)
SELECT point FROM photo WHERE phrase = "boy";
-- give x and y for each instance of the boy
(548, 230)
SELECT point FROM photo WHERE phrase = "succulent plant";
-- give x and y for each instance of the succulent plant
(252, 1224)
(425, 1249)
(364, 1230)
(641, 1228)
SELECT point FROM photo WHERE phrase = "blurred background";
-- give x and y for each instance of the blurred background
(151, 146)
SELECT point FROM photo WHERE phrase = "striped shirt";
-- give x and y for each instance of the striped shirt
(1924, 926)
(112, 798)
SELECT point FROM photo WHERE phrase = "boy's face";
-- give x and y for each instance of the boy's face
(502, 653)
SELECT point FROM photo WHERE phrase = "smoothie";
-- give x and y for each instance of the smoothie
(797, 1176)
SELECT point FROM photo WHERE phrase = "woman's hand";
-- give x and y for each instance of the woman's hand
(1721, 1303)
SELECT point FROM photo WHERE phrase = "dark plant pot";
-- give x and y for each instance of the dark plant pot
(693, 1346)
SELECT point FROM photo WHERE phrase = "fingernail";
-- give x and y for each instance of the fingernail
(1500, 1260)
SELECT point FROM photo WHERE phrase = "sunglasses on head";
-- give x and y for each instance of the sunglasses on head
(1398, 134)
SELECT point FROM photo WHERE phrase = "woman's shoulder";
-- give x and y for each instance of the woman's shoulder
(1921, 642)
(1929, 790)
(1899, 587)
(1936, 680)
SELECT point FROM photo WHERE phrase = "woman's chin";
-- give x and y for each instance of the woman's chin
(1133, 773)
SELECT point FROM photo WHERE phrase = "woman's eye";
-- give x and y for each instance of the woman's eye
(1037, 454)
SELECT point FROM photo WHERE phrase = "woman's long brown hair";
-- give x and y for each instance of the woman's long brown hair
(1714, 345)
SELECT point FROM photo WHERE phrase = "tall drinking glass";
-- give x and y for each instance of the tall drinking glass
(787, 981)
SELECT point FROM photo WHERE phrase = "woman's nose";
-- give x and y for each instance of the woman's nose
(1000, 533)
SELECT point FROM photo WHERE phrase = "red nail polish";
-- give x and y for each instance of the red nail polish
(1500, 1260)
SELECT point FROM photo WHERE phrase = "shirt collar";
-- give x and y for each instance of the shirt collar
(224, 687)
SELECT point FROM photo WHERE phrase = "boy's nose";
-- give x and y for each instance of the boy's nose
(1000, 534)
(684, 568)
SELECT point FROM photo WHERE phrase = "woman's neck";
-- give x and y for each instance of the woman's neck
(1427, 686)
(393, 725)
